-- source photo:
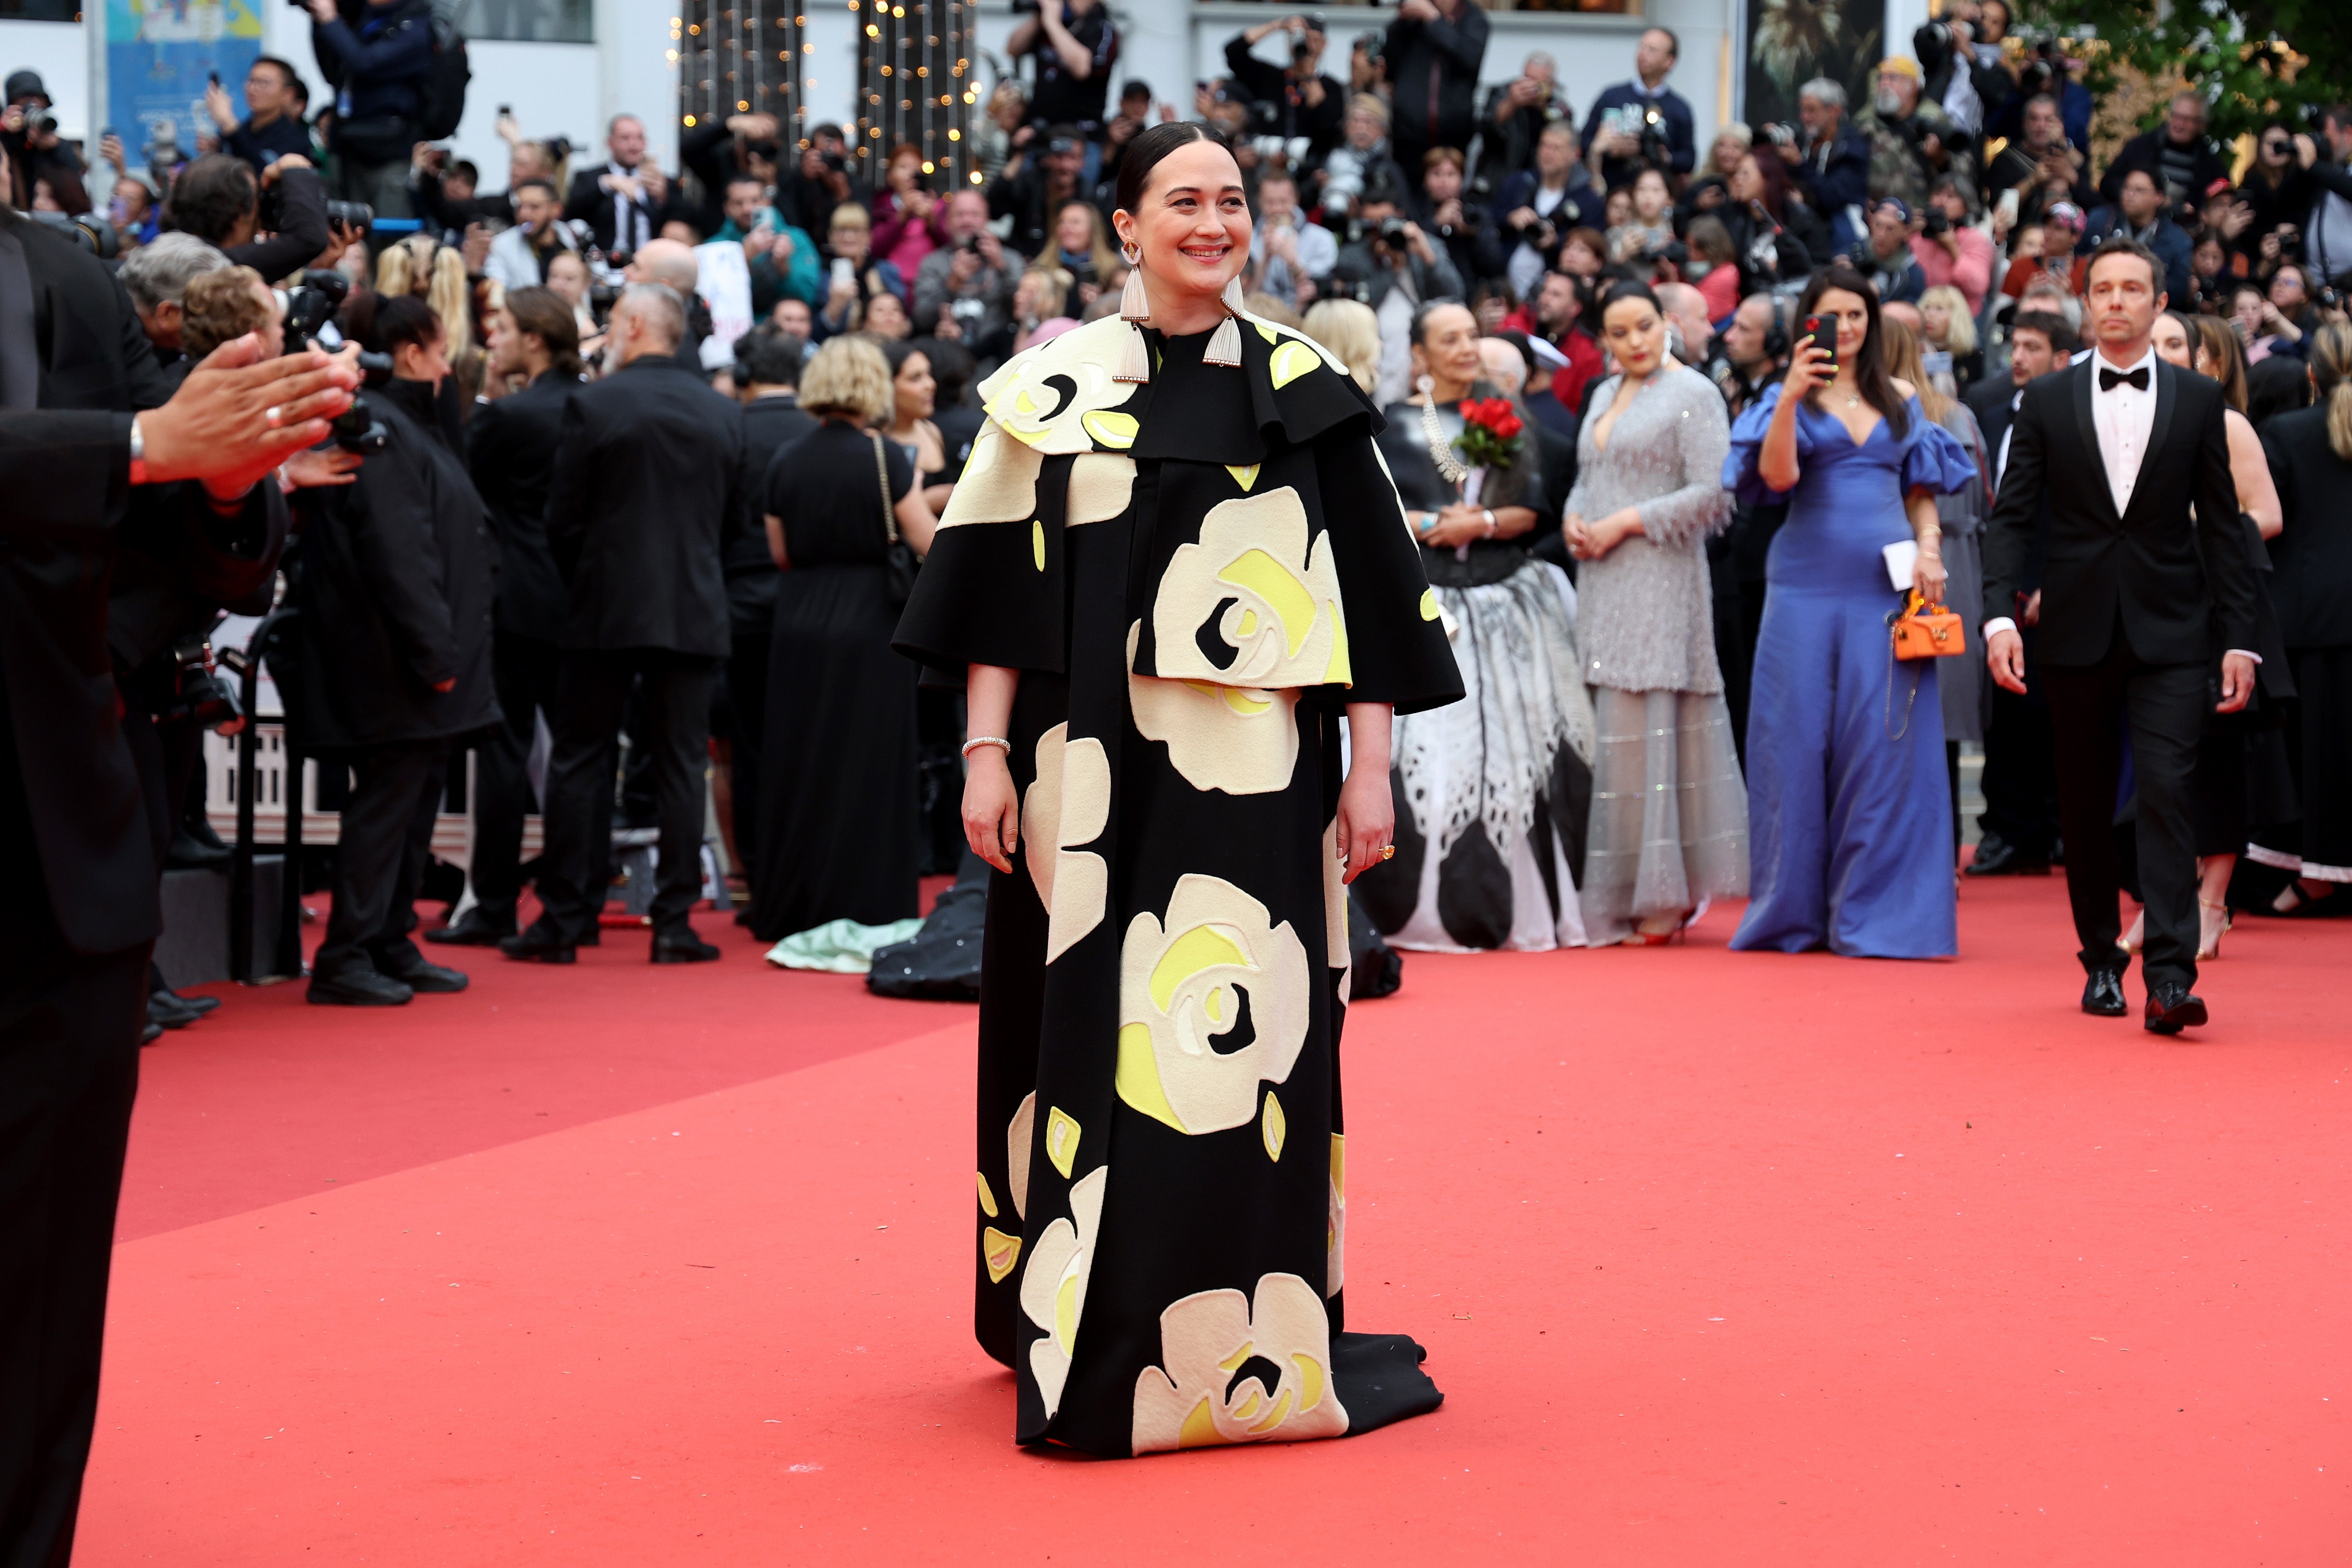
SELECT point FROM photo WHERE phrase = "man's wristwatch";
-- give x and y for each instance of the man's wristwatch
(138, 453)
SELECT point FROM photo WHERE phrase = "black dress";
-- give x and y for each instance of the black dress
(838, 763)
(1192, 576)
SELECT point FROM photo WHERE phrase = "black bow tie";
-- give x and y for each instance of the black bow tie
(2134, 379)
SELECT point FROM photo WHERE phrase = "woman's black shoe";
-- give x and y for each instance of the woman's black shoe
(2103, 995)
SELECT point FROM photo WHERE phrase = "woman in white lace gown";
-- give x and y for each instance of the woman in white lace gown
(1492, 793)
(1669, 826)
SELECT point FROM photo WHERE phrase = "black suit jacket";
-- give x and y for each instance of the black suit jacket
(70, 808)
(648, 475)
(1990, 402)
(2176, 585)
(510, 444)
(600, 209)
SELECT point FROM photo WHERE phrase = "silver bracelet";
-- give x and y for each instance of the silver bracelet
(138, 453)
(979, 740)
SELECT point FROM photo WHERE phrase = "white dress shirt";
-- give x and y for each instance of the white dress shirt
(2122, 415)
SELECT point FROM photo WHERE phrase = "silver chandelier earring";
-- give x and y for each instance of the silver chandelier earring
(1441, 451)
(1225, 343)
(1135, 308)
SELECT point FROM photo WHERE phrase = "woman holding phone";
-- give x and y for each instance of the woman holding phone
(1849, 811)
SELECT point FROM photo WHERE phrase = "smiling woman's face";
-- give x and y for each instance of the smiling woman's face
(1448, 351)
(1194, 228)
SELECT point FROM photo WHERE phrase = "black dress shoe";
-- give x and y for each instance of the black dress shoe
(415, 973)
(191, 851)
(1997, 856)
(682, 947)
(2172, 1007)
(151, 1033)
(168, 1010)
(202, 1005)
(541, 944)
(2103, 997)
(472, 928)
(358, 988)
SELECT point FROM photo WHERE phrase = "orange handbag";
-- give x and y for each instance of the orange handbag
(1928, 631)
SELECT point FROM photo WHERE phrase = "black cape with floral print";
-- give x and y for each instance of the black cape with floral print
(1194, 576)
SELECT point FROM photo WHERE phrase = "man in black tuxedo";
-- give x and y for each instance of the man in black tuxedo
(2020, 780)
(87, 443)
(648, 474)
(2138, 600)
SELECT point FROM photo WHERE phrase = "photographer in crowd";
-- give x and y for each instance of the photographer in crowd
(1911, 140)
(2138, 214)
(1537, 207)
(87, 441)
(1643, 123)
(511, 446)
(219, 200)
(272, 128)
(963, 291)
(1075, 46)
(623, 200)
(2182, 158)
(380, 61)
(38, 157)
(1433, 53)
(1831, 163)
(1517, 115)
(157, 276)
(1037, 182)
(1293, 100)
(2040, 164)
(393, 585)
(1285, 250)
(1395, 269)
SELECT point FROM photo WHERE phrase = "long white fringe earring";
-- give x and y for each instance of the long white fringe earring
(1225, 343)
(1135, 308)
(1441, 451)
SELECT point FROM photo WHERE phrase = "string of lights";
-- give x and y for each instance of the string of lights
(751, 57)
(915, 87)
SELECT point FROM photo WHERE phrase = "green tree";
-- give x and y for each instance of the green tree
(2254, 60)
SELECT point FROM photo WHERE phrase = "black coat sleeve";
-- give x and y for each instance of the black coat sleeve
(2008, 532)
(302, 234)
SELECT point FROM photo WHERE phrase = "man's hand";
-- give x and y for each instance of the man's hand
(323, 12)
(509, 130)
(218, 105)
(656, 183)
(219, 427)
(2307, 151)
(110, 148)
(2031, 613)
(963, 266)
(752, 127)
(2005, 656)
(475, 249)
(284, 162)
(991, 250)
(1417, 11)
(1419, 243)
(342, 236)
(1283, 243)
(2237, 683)
(322, 466)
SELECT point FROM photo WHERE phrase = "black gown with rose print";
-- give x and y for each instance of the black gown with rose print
(1194, 576)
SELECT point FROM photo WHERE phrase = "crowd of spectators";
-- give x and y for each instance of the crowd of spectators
(1383, 175)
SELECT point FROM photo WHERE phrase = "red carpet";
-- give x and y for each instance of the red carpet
(1719, 1258)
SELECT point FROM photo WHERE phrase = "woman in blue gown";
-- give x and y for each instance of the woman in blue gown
(1849, 809)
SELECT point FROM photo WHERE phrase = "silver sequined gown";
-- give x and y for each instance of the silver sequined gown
(1668, 830)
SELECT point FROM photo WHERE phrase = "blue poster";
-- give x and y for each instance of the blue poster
(159, 54)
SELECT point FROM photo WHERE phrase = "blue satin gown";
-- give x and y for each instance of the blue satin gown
(1849, 810)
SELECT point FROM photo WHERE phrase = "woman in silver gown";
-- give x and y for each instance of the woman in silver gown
(1669, 827)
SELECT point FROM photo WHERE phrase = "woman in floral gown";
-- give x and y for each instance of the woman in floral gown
(1171, 566)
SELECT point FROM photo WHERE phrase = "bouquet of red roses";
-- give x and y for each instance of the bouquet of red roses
(1490, 432)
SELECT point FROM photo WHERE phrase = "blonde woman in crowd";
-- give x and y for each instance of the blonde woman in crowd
(420, 265)
(1951, 330)
(1349, 329)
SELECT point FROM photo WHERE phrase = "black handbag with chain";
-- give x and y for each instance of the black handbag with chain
(900, 565)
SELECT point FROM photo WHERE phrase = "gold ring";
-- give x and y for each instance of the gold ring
(1388, 851)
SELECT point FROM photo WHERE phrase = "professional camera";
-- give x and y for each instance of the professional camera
(968, 313)
(1933, 222)
(90, 231)
(1653, 133)
(199, 695)
(1674, 251)
(311, 304)
(356, 428)
(1390, 235)
(1781, 134)
(351, 215)
(1343, 288)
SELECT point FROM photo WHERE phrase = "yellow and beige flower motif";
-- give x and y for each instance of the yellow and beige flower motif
(1270, 597)
(1335, 1232)
(1060, 398)
(1219, 1348)
(1238, 738)
(1218, 960)
(1068, 803)
(1054, 1285)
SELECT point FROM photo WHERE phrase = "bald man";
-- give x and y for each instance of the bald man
(1686, 308)
(672, 265)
